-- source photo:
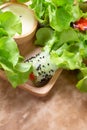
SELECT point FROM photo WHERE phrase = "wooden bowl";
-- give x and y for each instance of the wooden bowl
(42, 91)
(29, 24)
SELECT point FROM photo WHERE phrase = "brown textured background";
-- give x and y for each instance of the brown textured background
(65, 108)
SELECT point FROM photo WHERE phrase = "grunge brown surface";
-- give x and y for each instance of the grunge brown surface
(64, 108)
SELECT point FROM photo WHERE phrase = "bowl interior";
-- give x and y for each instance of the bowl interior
(26, 15)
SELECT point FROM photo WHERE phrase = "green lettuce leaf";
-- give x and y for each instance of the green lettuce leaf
(9, 50)
(82, 83)
(58, 14)
(20, 74)
(43, 35)
(10, 23)
(3, 32)
(62, 2)
(11, 62)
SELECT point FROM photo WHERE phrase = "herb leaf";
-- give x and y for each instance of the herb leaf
(13, 26)
(10, 59)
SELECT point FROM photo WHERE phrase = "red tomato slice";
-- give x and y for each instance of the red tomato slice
(81, 24)
(31, 76)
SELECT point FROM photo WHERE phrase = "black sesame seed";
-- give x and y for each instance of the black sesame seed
(42, 80)
(42, 72)
(38, 54)
(46, 75)
(20, 16)
(40, 57)
(39, 67)
(26, 60)
(39, 73)
(49, 72)
(52, 70)
(32, 57)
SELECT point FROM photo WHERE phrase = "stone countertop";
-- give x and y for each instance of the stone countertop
(64, 108)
